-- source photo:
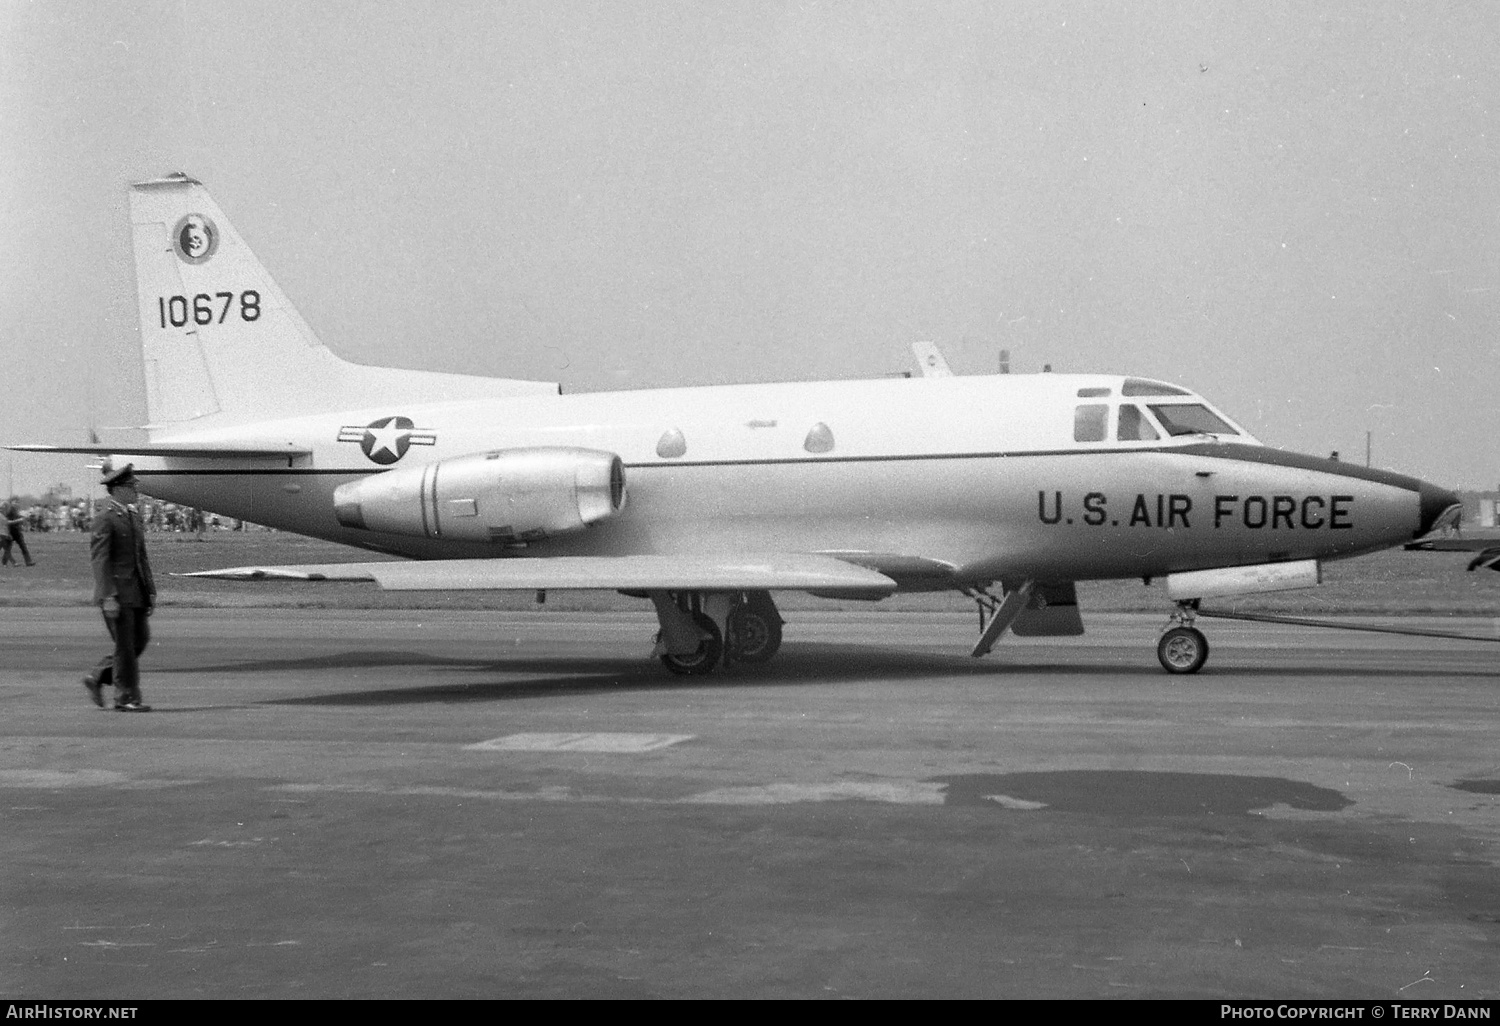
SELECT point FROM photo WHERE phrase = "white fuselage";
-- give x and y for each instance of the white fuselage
(983, 473)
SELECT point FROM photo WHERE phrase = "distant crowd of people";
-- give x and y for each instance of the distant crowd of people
(157, 516)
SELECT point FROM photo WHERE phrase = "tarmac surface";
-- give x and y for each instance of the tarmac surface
(479, 804)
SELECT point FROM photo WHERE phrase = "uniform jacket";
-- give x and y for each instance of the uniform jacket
(13, 519)
(118, 550)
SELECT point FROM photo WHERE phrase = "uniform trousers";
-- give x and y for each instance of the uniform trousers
(132, 633)
(19, 541)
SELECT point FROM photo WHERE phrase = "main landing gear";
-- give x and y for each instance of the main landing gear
(699, 630)
(1182, 648)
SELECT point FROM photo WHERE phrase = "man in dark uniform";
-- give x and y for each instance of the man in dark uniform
(14, 535)
(124, 590)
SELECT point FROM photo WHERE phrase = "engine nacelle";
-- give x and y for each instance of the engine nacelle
(510, 495)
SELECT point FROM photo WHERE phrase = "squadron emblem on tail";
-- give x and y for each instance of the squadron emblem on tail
(195, 238)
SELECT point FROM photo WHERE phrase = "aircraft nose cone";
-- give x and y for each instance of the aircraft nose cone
(1440, 508)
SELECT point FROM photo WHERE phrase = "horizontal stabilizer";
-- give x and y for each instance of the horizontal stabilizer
(1452, 545)
(612, 573)
(186, 450)
(1488, 558)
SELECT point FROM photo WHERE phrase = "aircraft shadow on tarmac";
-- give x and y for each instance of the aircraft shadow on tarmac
(803, 663)
(807, 662)
(1477, 786)
(1388, 672)
(1138, 793)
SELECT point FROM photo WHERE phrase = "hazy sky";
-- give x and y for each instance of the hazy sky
(1292, 207)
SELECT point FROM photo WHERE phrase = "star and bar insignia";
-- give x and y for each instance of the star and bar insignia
(386, 440)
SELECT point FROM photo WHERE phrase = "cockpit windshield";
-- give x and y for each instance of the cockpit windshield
(1190, 419)
(1134, 427)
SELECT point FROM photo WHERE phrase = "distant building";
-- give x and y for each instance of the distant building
(1481, 509)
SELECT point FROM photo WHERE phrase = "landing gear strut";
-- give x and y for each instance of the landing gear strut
(996, 614)
(1182, 648)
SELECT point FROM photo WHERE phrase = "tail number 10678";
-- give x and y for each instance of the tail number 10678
(179, 311)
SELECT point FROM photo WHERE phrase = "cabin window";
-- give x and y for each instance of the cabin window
(671, 444)
(1134, 427)
(819, 438)
(1191, 419)
(1090, 422)
(1140, 386)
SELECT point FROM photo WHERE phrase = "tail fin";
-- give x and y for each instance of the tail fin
(221, 343)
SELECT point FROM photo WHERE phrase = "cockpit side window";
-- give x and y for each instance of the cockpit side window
(1090, 422)
(1134, 427)
(1190, 419)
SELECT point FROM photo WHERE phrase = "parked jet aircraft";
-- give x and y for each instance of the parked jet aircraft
(705, 500)
(1488, 549)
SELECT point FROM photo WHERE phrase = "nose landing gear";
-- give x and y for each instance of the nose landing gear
(1182, 648)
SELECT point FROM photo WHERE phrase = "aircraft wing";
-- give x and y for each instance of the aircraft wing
(1488, 549)
(194, 450)
(791, 571)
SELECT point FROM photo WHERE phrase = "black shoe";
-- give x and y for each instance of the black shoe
(96, 690)
(131, 707)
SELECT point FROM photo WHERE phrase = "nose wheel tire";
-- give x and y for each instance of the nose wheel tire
(710, 651)
(1182, 650)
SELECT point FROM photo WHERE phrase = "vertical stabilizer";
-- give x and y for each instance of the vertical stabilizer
(221, 343)
(930, 360)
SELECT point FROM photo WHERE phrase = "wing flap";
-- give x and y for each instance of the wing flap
(786, 571)
(912, 573)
